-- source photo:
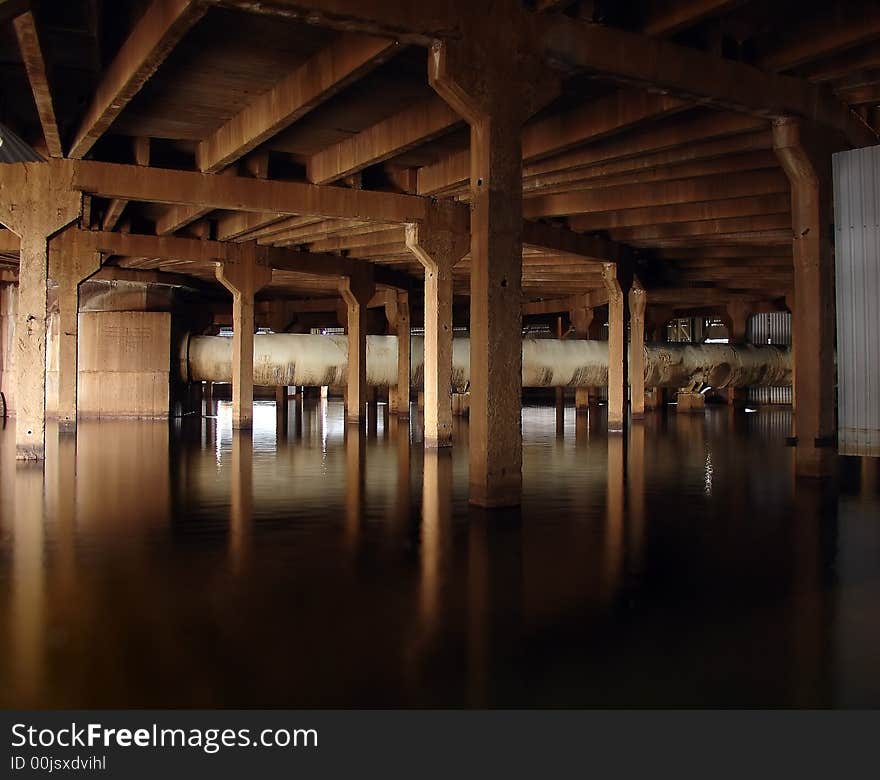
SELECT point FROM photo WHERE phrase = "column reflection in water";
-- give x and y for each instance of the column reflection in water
(241, 499)
(614, 518)
(560, 412)
(635, 484)
(27, 627)
(399, 433)
(477, 612)
(355, 482)
(435, 529)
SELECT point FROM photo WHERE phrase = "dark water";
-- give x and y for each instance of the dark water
(182, 565)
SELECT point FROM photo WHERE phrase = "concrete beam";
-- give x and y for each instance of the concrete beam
(343, 62)
(151, 40)
(684, 191)
(401, 132)
(34, 63)
(689, 74)
(235, 193)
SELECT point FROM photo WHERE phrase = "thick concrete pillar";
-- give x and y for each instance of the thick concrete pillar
(581, 320)
(438, 251)
(473, 74)
(398, 396)
(617, 367)
(70, 264)
(357, 291)
(36, 201)
(637, 301)
(243, 277)
(807, 163)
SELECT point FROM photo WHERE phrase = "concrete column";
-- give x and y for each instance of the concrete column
(243, 277)
(398, 396)
(806, 160)
(70, 264)
(637, 301)
(582, 319)
(36, 201)
(281, 411)
(560, 391)
(472, 73)
(438, 251)
(617, 368)
(357, 291)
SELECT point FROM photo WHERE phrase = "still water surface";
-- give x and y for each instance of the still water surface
(182, 565)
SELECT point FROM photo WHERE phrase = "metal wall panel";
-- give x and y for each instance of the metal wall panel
(857, 264)
(770, 328)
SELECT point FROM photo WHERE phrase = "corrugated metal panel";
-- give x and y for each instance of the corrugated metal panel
(857, 263)
(13, 149)
(770, 328)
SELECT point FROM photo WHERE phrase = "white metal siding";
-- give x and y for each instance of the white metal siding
(770, 328)
(857, 262)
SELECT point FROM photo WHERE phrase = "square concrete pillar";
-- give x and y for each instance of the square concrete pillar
(36, 201)
(243, 277)
(637, 300)
(399, 395)
(70, 263)
(805, 157)
(617, 364)
(357, 291)
(438, 251)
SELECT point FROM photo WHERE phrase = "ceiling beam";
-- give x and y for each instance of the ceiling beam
(555, 134)
(689, 74)
(702, 188)
(668, 17)
(839, 26)
(235, 193)
(684, 212)
(675, 158)
(711, 227)
(399, 133)
(197, 251)
(415, 22)
(35, 65)
(152, 39)
(339, 64)
(563, 240)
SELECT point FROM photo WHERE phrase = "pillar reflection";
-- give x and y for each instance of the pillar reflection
(614, 520)
(26, 633)
(635, 483)
(241, 499)
(436, 522)
(355, 482)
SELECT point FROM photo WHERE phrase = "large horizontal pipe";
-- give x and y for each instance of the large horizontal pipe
(314, 360)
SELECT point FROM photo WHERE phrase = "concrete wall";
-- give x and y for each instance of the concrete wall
(8, 308)
(124, 364)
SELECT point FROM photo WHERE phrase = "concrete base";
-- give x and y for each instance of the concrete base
(655, 398)
(461, 404)
(691, 403)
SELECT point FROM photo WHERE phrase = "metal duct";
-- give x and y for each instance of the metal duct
(312, 360)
